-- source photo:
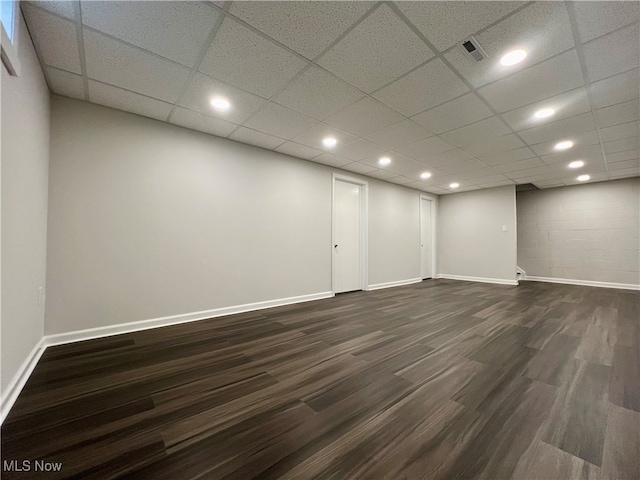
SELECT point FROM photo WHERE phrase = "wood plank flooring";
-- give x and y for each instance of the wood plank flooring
(436, 380)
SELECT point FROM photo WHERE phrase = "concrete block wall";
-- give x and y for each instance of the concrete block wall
(582, 232)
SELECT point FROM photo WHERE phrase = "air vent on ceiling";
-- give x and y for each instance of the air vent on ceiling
(523, 187)
(473, 50)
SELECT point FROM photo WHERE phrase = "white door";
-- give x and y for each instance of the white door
(347, 237)
(426, 247)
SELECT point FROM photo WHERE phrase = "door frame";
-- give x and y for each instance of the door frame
(364, 228)
(433, 209)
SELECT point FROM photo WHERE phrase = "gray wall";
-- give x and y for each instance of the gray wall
(582, 232)
(471, 242)
(148, 220)
(25, 159)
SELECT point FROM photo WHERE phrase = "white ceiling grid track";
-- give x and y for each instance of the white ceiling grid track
(385, 80)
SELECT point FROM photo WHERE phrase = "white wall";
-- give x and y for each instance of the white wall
(148, 220)
(25, 159)
(583, 232)
(471, 242)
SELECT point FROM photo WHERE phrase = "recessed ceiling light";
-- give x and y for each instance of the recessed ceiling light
(454, 185)
(221, 104)
(425, 175)
(564, 145)
(583, 178)
(384, 161)
(329, 142)
(511, 58)
(576, 164)
(544, 113)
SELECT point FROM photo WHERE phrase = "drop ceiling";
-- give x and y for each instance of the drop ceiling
(385, 79)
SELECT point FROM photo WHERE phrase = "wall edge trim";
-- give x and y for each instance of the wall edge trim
(396, 283)
(585, 283)
(19, 380)
(140, 325)
(497, 281)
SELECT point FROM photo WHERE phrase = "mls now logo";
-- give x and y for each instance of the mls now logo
(27, 466)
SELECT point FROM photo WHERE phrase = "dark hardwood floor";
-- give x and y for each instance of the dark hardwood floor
(435, 380)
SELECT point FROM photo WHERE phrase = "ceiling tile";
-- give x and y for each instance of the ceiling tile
(587, 153)
(501, 183)
(476, 132)
(566, 105)
(614, 53)
(401, 133)
(424, 149)
(381, 174)
(318, 94)
(632, 143)
(60, 7)
(558, 130)
(255, 138)
(359, 149)
(622, 156)
(580, 140)
(597, 18)
(264, 68)
(55, 39)
(280, 121)
(202, 88)
(65, 83)
(401, 180)
(377, 51)
(635, 163)
(461, 166)
(619, 88)
(549, 183)
(446, 157)
(202, 123)
(310, 27)
(331, 160)
(128, 101)
(364, 117)
(426, 87)
(174, 30)
(454, 114)
(400, 164)
(508, 156)
(313, 137)
(358, 167)
(490, 179)
(514, 166)
(110, 61)
(447, 23)
(620, 113)
(618, 132)
(521, 30)
(495, 145)
(532, 85)
(298, 150)
(627, 173)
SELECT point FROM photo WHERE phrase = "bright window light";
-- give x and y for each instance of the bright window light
(7, 11)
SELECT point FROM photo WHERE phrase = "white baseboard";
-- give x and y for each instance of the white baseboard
(586, 283)
(99, 332)
(397, 283)
(498, 281)
(19, 380)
